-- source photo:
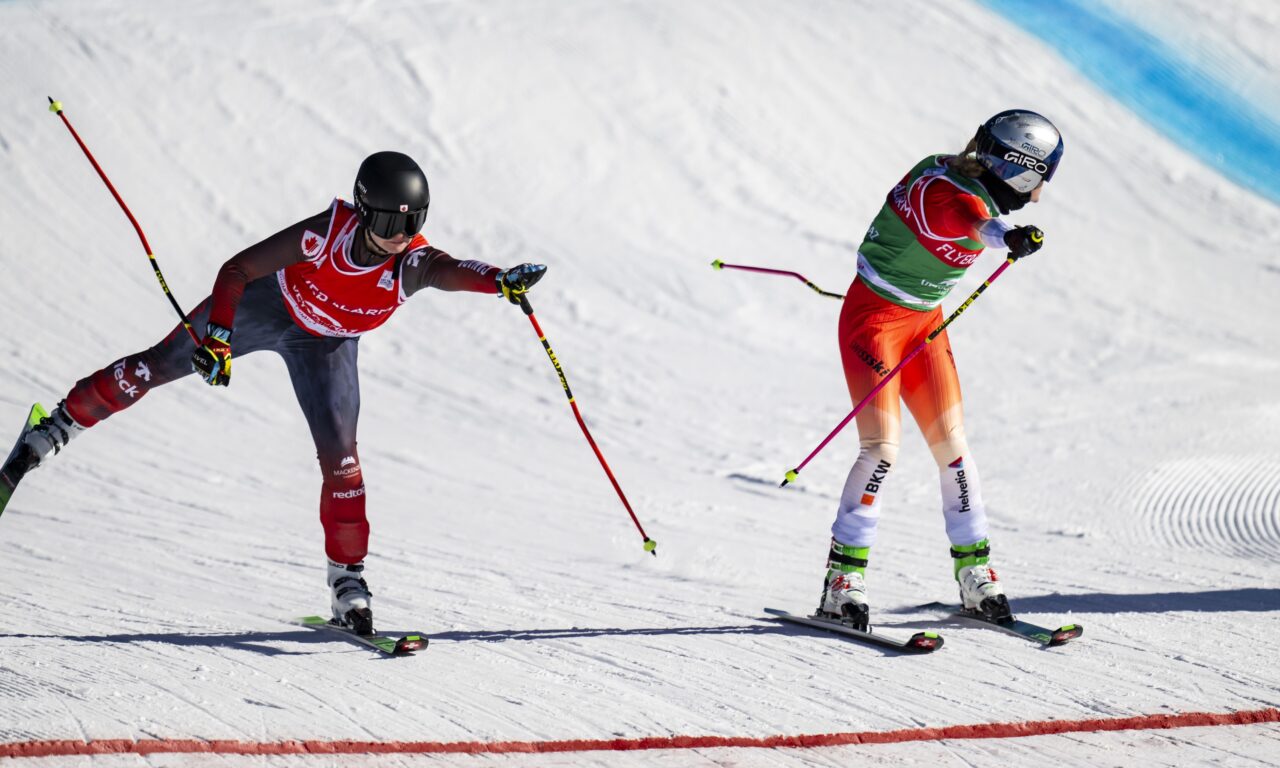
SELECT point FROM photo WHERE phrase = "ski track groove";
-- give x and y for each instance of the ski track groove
(1236, 514)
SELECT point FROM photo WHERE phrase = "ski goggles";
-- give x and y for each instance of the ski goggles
(388, 224)
(1022, 172)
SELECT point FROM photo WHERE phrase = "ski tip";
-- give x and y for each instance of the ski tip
(410, 643)
(1066, 634)
(925, 642)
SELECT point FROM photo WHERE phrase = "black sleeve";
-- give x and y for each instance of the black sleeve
(259, 260)
(431, 267)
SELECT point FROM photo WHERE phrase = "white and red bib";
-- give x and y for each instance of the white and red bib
(328, 294)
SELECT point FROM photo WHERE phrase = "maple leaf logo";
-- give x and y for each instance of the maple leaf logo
(311, 244)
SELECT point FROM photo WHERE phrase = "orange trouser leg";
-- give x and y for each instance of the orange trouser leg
(931, 389)
(875, 335)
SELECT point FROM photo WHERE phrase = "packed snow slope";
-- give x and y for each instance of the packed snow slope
(1120, 386)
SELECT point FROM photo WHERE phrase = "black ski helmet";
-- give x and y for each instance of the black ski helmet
(1019, 149)
(391, 194)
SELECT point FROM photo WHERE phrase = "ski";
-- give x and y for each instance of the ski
(18, 463)
(391, 646)
(1015, 626)
(920, 642)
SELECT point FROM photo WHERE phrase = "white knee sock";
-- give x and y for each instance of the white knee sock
(859, 511)
(962, 505)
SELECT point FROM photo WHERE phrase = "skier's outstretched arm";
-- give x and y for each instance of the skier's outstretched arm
(431, 267)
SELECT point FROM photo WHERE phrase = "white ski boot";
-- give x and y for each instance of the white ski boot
(351, 597)
(844, 591)
(49, 436)
(980, 589)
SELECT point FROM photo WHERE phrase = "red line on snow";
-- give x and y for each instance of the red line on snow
(976, 731)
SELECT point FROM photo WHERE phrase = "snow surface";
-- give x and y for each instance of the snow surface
(1120, 386)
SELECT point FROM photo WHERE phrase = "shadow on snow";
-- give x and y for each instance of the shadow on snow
(1252, 599)
(1214, 600)
(263, 642)
(244, 641)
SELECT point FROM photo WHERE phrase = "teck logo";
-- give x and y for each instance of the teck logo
(125, 385)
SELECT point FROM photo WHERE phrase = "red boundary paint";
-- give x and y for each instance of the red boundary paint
(976, 731)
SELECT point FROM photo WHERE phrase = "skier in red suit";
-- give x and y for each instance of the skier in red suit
(307, 293)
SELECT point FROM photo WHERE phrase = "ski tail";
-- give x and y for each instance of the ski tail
(17, 464)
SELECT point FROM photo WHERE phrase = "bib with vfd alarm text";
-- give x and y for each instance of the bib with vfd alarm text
(328, 294)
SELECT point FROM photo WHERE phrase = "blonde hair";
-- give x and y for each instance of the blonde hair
(966, 163)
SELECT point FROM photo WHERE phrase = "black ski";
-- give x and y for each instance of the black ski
(920, 642)
(391, 646)
(1043, 635)
(19, 462)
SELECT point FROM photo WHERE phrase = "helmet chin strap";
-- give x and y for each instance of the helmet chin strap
(1006, 198)
(373, 247)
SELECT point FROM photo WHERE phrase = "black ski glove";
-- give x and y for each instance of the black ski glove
(515, 282)
(1023, 241)
(212, 359)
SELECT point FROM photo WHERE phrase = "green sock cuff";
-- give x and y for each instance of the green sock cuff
(965, 555)
(846, 559)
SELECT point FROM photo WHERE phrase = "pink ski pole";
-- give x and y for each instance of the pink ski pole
(718, 264)
(795, 473)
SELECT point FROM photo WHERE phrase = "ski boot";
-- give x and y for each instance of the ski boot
(980, 590)
(351, 598)
(844, 592)
(42, 435)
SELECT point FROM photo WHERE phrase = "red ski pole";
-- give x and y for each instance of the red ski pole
(650, 545)
(718, 264)
(56, 108)
(792, 475)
